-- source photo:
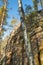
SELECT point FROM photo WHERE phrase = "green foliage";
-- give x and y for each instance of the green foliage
(3, 17)
(35, 2)
(41, 1)
(28, 9)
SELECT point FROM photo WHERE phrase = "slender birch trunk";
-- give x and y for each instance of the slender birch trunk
(26, 40)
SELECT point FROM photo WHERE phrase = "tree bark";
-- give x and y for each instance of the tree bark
(24, 29)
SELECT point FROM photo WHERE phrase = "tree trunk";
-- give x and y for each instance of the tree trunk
(23, 28)
(3, 15)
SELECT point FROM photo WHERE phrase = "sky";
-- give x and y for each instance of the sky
(13, 11)
(13, 8)
(14, 5)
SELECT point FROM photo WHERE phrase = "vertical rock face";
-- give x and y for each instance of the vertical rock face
(36, 36)
(3, 44)
(37, 45)
(35, 30)
(15, 50)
